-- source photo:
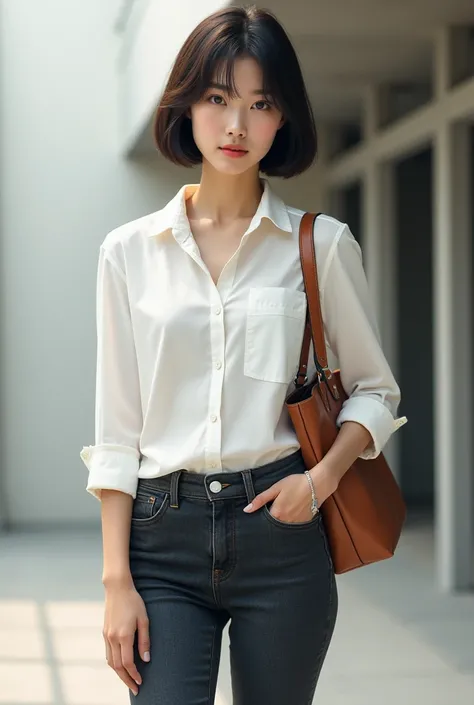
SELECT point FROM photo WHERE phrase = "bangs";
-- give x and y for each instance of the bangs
(221, 70)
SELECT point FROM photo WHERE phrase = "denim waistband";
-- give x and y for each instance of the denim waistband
(223, 485)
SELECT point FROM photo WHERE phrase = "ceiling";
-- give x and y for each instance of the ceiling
(346, 45)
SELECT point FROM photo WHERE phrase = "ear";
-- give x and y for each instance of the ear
(282, 122)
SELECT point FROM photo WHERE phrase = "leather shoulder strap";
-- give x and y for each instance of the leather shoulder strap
(314, 320)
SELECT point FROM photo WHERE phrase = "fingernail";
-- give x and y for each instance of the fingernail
(146, 656)
(248, 508)
(135, 692)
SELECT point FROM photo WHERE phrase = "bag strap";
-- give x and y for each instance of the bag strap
(314, 328)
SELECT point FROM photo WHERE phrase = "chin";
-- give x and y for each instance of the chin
(231, 167)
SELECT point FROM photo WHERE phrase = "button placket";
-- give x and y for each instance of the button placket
(214, 426)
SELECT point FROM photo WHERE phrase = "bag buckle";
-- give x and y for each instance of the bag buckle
(326, 374)
(300, 384)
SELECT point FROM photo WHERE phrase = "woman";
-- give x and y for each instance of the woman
(206, 508)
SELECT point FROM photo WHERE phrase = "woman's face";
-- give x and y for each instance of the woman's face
(249, 122)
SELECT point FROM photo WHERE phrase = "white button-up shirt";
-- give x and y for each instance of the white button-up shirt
(193, 375)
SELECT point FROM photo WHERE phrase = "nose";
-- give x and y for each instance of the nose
(236, 125)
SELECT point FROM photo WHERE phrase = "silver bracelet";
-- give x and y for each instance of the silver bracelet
(314, 502)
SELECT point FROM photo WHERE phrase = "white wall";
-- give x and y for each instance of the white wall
(63, 186)
(153, 38)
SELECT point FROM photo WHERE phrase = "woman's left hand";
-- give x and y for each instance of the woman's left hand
(292, 495)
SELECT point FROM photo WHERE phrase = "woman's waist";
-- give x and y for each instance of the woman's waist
(224, 483)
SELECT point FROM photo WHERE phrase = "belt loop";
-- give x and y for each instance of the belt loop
(248, 484)
(174, 500)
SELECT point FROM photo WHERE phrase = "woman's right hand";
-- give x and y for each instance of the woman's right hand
(125, 612)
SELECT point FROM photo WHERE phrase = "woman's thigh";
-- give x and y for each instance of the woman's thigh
(185, 652)
(172, 571)
(283, 611)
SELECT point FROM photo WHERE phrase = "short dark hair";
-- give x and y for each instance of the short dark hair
(214, 45)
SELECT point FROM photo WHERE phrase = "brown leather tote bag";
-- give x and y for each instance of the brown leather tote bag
(364, 517)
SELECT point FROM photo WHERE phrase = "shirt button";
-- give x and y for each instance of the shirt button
(213, 418)
(218, 310)
(215, 486)
(218, 365)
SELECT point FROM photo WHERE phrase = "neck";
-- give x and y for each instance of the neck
(223, 198)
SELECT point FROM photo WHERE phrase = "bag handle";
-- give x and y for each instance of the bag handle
(314, 328)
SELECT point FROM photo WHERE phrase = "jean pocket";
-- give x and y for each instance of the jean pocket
(149, 506)
(288, 526)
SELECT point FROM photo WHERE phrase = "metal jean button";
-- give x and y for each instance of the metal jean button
(215, 486)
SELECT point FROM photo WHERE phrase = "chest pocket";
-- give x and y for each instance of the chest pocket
(274, 333)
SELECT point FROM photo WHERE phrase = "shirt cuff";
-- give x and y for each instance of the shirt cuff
(375, 417)
(111, 468)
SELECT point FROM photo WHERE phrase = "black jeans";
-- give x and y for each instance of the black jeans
(199, 561)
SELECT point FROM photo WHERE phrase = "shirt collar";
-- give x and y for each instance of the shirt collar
(173, 216)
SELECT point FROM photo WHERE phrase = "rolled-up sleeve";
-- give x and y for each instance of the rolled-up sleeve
(353, 336)
(113, 461)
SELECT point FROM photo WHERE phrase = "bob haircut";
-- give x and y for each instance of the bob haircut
(209, 54)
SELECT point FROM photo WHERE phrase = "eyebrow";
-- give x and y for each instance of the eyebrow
(222, 87)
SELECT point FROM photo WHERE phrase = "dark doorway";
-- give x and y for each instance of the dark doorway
(415, 327)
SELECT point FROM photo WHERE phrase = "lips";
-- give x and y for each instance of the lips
(233, 148)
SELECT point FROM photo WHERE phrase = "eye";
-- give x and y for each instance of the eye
(219, 98)
(263, 105)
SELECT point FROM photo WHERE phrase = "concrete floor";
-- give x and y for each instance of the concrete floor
(397, 640)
